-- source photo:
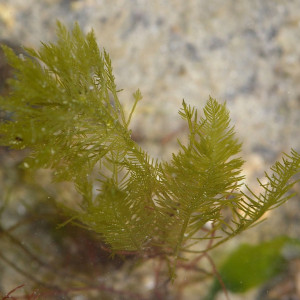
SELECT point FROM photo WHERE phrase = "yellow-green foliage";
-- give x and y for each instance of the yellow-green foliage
(65, 108)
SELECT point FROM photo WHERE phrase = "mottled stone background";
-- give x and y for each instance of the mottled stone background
(244, 52)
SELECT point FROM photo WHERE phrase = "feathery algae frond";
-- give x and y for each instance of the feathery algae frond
(64, 106)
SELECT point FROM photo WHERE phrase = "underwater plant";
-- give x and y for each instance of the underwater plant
(64, 106)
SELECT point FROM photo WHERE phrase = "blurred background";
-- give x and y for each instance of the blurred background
(243, 52)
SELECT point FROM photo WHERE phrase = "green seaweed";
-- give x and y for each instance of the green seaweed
(65, 108)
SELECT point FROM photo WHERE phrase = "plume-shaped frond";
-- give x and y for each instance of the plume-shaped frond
(203, 174)
(275, 191)
(65, 106)
(248, 208)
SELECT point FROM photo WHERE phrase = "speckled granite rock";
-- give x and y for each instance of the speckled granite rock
(243, 52)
